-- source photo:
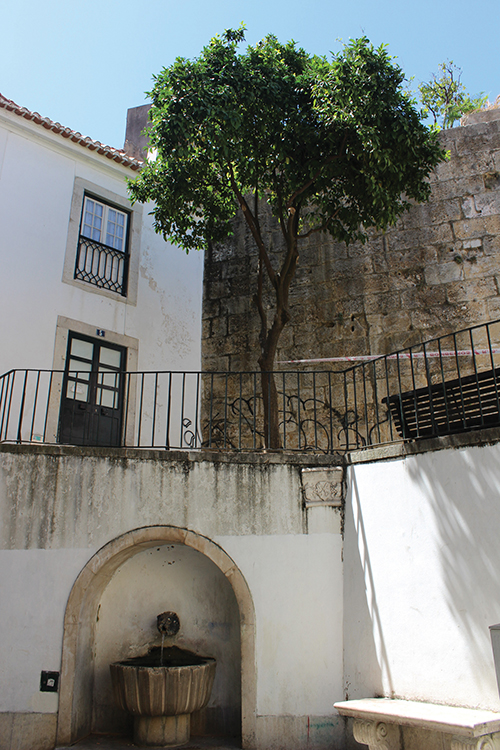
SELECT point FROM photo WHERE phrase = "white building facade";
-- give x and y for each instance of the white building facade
(78, 260)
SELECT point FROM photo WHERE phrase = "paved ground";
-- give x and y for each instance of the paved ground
(104, 742)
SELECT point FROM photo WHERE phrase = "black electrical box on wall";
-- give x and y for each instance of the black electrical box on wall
(49, 682)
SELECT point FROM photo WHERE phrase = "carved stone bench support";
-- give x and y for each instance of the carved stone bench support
(489, 742)
(378, 735)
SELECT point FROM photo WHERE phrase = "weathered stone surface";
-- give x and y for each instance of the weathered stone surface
(323, 486)
(435, 272)
(162, 691)
(27, 731)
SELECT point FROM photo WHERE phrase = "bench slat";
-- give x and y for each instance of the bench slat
(445, 408)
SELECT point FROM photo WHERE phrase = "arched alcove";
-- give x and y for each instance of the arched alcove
(105, 594)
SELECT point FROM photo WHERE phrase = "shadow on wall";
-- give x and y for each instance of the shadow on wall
(422, 577)
(463, 491)
(363, 677)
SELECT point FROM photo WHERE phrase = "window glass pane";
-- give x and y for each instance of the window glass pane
(79, 369)
(109, 378)
(77, 391)
(92, 219)
(115, 229)
(106, 398)
(84, 349)
(110, 357)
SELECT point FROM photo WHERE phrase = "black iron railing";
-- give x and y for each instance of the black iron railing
(182, 410)
(447, 385)
(101, 266)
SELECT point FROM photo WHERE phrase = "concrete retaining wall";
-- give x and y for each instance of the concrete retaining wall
(91, 540)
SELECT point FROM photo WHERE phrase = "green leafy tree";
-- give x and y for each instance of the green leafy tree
(333, 146)
(445, 97)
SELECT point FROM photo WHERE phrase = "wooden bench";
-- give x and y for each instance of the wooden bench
(444, 408)
(387, 724)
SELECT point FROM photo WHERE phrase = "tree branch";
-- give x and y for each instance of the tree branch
(281, 217)
(256, 208)
(315, 176)
(250, 220)
(321, 228)
(260, 307)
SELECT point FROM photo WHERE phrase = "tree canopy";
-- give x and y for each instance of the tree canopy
(333, 146)
(339, 141)
(445, 97)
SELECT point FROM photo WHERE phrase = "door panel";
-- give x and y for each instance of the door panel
(92, 398)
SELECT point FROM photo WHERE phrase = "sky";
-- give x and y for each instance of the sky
(85, 64)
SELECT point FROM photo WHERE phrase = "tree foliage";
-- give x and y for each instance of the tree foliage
(445, 97)
(333, 146)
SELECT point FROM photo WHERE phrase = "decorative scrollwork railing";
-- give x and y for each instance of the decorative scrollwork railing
(448, 385)
(101, 266)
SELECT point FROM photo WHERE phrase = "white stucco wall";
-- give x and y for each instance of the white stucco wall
(34, 589)
(297, 594)
(38, 169)
(422, 577)
(297, 588)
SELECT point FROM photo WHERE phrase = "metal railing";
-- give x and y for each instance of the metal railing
(447, 385)
(101, 266)
(172, 410)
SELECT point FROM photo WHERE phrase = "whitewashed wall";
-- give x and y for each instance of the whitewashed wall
(38, 169)
(422, 577)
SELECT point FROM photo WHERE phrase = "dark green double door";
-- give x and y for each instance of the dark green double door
(92, 394)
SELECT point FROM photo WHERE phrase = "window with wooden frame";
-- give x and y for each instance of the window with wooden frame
(102, 257)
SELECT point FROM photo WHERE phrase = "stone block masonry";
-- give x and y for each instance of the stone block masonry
(435, 272)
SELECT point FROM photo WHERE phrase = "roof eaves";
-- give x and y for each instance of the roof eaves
(114, 154)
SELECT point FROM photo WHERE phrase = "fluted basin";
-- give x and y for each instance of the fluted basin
(162, 698)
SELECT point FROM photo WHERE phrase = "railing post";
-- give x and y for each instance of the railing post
(21, 410)
(211, 409)
(346, 412)
(12, 383)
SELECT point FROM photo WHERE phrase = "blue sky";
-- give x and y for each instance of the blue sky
(84, 64)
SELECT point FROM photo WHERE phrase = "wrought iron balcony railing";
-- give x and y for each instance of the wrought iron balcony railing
(447, 385)
(101, 266)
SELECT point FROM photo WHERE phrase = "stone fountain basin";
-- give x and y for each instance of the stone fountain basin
(182, 685)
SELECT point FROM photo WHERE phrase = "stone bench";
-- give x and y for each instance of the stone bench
(387, 724)
(458, 405)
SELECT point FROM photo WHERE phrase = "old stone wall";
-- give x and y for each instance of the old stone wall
(435, 272)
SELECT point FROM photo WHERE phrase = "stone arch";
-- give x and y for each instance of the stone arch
(75, 702)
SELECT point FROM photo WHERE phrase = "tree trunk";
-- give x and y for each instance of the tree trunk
(281, 283)
(269, 342)
(272, 436)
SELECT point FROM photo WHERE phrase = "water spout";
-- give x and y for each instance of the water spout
(168, 623)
